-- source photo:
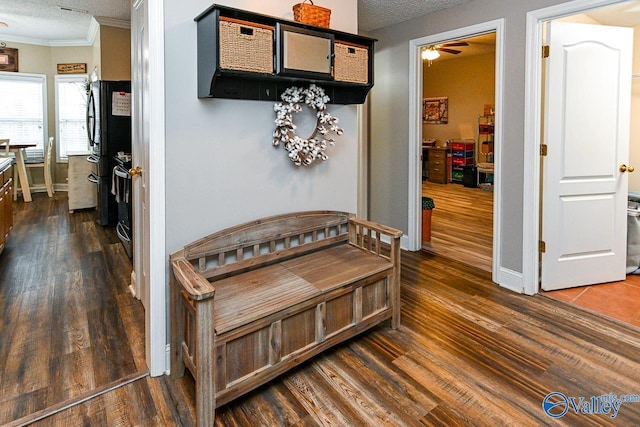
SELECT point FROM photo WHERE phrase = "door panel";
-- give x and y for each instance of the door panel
(587, 112)
(140, 151)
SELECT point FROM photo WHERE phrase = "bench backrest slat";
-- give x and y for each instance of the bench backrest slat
(265, 241)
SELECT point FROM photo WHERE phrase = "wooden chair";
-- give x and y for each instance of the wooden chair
(5, 152)
(44, 163)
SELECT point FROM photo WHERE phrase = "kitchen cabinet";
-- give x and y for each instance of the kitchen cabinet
(438, 165)
(245, 55)
(6, 200)
(83, 193)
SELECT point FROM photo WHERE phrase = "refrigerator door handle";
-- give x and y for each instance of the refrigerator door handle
(122, 172)
(91, 118)
(93, 178)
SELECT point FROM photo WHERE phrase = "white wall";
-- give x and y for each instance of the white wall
(221, 168)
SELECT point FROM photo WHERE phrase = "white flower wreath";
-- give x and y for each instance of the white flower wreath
(304, 151)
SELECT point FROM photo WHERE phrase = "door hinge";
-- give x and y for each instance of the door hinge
(543, 149)
(545, 51)
(542, 246)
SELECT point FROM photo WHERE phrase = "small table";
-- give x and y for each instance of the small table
(485, 168)
(17, 147)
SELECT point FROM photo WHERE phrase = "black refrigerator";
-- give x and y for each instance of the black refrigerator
(109, 132)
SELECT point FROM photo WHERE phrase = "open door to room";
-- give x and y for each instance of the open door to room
(458, 149)
(615, 299)
(586, 130)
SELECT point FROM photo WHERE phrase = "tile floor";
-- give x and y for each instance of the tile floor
(619, 300)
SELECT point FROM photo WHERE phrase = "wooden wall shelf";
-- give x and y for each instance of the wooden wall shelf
(216, 81)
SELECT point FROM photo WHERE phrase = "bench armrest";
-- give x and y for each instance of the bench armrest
(379, 228)
(197, 287)
(367, 236)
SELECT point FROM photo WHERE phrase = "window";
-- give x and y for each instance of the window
(23, 109)
(71, 106)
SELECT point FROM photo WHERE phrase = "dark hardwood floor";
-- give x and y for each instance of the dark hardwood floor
(68, 324)
(467, 353)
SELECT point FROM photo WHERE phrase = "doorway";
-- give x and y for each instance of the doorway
(616, 299)
(414, 236)
(458, 149)
(573, 12)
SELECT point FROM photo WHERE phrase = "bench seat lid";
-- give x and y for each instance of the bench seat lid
(247, 297)
(338, 266)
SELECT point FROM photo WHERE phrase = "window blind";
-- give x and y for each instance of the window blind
(71, 106)
(23, 109)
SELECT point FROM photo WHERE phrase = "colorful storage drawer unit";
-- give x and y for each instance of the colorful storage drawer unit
(462, 146)
(458, 153)
(462, 161)
(457, 174)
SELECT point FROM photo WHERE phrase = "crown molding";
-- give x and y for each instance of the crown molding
(88, 41)
(113, 22)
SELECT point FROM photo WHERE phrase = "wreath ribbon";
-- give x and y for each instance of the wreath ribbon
(304, 151)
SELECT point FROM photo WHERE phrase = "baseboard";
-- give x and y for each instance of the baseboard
(40, 188)
(404, 242)
(167, 363)
(511, 280)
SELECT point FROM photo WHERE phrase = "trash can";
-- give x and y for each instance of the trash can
(633, 237)
(427, 207)
(470, 176)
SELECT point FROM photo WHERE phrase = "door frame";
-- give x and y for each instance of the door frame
(413, 242)
(533, 131)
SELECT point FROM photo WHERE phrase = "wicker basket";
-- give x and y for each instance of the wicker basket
(311, 14)
(351, 63)
(245, 46)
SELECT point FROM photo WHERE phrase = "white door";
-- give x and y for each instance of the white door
(140, 153)
(587, 109)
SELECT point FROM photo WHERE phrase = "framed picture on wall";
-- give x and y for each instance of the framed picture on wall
(8, 59)
(435, 110)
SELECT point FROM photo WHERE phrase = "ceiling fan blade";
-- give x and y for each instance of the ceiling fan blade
(455, 44)
(455, 52)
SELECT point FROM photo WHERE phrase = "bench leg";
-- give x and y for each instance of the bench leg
(395, 283)
(176, 328)
(205, 364)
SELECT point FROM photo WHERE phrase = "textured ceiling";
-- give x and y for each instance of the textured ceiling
(42, 21)
(373, 14)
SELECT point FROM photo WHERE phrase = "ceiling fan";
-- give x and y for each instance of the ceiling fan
(432, 52)
(445, 47)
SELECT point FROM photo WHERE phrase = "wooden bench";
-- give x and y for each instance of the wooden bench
(252, 301)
